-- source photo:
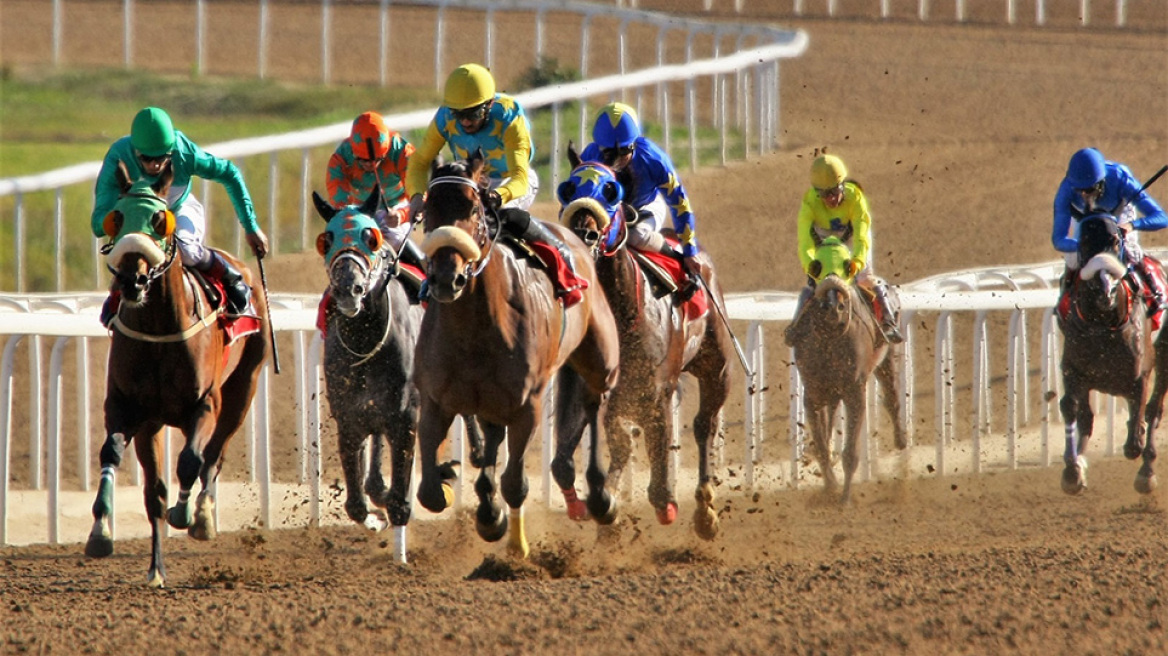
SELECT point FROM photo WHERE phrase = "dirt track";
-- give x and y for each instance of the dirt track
(960, 136)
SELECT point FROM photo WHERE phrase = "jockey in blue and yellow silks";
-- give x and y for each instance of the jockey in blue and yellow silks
(835, 206)
(1093, 183)
(650, 181)
(473, 116)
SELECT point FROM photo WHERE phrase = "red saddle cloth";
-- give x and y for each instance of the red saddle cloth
(322, 308)
(697, 304)
(569, 286)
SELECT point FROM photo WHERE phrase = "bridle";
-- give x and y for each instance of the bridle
(376, 274)
(481, 234)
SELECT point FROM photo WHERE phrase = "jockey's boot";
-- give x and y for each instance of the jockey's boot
(411, 254)
(522, 225)
(238, 293)
(889, 321)
(109, 309)
(1158, 296)
(795, 329)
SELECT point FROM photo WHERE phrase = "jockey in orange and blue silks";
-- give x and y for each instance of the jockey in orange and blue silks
(835, 206)
(473, 116)
(650, 181)
(1093, 183)
(153, 145)
(373, 156)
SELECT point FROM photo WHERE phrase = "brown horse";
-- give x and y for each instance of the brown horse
(836, 355)
(659, 340)
(1108, 347)
(491, 340)
(170, 364)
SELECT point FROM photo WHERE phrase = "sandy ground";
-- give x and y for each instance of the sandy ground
(960, 135)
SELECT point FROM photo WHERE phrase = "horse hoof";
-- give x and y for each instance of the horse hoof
(706, 523)
(491, 529)
(668, 514)
(375, 522)
(1132, 451)
(1146, 484)
(602, 507)
(1074, 479)
(156, 581)
(179, 517)
(99, 546)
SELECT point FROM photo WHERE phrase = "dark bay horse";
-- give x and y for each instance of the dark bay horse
(840, 350)
(368, 361)
(170, 364)
(659, 341)
(491, 340)
(1108, 346)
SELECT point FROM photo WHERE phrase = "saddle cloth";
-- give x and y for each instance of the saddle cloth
(235, 326)
(691, 297)
(569, 286)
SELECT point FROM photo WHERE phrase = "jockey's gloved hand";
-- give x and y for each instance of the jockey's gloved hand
(258, 242)
(492, 200)
(853, 267)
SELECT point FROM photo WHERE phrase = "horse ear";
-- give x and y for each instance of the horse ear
(475, 163)
(326, 211)
(122, 175)
(162, 185)
(370, 204)
(566, 192)
(573, 156)
(436, 164)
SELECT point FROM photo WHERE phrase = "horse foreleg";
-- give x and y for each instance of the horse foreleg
(707, 427)
(400, 438)
(489, 520)
(657, 431)
(601, 503)
(1146, 482)
(570, 422)
(1075, 407)
(351, 444)
(513, 481)
(435, 492)
(854, 406)
(149, 450)
(819, 420)
(101, 541)
(199, 432)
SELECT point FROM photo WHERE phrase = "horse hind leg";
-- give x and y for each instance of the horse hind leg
(1077, 417)
(854, 406)
(570, 421)
(888, 376)
(400, 439)
(352, 445)
(490, 522)
(1146, 481)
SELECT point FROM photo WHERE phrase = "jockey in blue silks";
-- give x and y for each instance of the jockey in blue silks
(650, 181)
(1093, 183)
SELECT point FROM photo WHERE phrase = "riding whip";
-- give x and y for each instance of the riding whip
(716, 302)
(271, 330)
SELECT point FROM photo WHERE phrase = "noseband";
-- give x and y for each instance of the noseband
(153, 273)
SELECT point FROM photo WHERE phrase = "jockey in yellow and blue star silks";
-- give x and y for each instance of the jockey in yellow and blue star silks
(373, 156)
(835, 206)
(1094, 183)
(153, 145)
(474, 116)
(650, 181)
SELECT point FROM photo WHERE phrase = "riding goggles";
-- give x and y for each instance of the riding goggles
(152, 159)
(476, 113)
(833, 192)
(610, 155)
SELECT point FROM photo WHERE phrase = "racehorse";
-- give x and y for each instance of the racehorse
(171, 363)
(659, 340)
(491, 340)
(368, 360)
(1108, 347)
(836, 355)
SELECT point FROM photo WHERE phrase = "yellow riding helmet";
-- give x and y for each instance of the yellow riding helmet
(467, 86)
(828, 171)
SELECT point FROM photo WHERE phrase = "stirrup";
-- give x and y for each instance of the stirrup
(892, 334)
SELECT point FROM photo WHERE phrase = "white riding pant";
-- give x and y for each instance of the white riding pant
(394, 228)
(190, 229)
(522, 202)
(650, 218)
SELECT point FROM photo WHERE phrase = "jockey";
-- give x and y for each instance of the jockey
(375, 157)
(474, 116)
(836, 206)
(153, 143)
(1093, 183)
(650, 181)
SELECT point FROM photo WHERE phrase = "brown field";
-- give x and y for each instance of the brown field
(960, 135)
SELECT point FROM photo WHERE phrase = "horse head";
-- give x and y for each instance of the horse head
(351, 245)
(454, 220)
(834, 273)
(1098, 233)
(141, 231)
(1098, 295)
(590, 205)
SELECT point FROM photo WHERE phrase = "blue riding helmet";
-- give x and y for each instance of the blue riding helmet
(1086, 169)
(593, 186)
(616, 126)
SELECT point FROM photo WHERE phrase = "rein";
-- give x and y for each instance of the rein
(377, 275)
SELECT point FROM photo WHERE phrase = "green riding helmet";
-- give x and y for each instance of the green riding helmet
(152, 133)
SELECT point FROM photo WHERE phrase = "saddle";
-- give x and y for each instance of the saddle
(569, 286)
(667, 276)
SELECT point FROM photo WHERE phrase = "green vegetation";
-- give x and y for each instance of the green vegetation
(49, 121)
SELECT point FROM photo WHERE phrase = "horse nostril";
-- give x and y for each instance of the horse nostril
(460, 281)
(358, 290)
(140, 280)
